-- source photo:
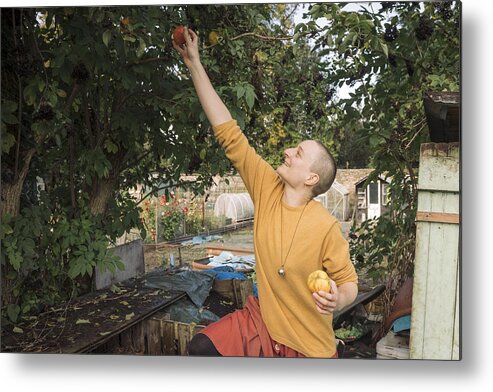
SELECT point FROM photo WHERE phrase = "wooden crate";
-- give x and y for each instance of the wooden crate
(159, 335)
(169, 337)
(234, 290)
(156, 335)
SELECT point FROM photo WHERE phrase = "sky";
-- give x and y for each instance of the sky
(473, 373)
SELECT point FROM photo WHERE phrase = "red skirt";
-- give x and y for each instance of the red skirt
(244, 334)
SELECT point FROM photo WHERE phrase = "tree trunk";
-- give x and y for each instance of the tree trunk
(101, 192)
(11, 200)
(11, 193)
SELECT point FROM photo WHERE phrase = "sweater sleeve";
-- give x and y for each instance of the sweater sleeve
(336, 259)
(254, 171)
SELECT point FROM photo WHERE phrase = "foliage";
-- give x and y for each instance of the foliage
(49, 253)
(175, 217)
(95, 101)
(388, 54)
(171, 221)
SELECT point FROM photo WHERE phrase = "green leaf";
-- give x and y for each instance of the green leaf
(129, 38)
(141, 49)
(13, 311)
(9, 119)
(106, 37)
(385, 48)
(250, 98)
(9, 106)
(110, 146)
(15, 260)
(61, 93)
(8, 140)
(375, 140)
(82, 321)
(18, 330)
(129, 316)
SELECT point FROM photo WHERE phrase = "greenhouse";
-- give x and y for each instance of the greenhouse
(336, 200)
(234, 206)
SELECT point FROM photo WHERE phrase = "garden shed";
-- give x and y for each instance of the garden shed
(234, 206)
(371, 198)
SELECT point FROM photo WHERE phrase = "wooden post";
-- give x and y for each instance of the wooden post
(156, 221)
(435, 316)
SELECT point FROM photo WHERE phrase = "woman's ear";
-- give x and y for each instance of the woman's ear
(312, 179)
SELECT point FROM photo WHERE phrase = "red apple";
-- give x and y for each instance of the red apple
(179, 35)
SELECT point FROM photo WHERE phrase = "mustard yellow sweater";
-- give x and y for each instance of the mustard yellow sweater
(286, 304)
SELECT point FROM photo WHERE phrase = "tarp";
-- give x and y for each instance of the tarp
(197, 285)
(186, 312)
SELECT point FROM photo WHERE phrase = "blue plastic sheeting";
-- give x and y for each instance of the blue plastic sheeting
(228, 273)
(197, 240)
(402, 324)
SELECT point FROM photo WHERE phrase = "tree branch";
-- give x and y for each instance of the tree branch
(178, 184)
(106, 105)
(19, 114)
(136, 160)
(149, 60)
(87, 119)
(417, 133)
(260, 36)
(142, 93)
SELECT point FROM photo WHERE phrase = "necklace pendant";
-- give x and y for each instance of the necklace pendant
(281, 272)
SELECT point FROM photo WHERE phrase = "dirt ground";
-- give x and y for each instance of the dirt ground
(238, 239)
(187, 254)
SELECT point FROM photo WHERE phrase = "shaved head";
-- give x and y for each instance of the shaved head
(325, 166)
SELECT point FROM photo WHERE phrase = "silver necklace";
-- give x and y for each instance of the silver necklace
(281, 271)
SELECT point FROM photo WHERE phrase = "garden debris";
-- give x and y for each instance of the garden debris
(229, 259)
(88, 321)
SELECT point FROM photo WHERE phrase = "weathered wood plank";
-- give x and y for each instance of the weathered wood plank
(139, 337)
(420, 284)
(439, 167)
(183, 337)
(437, 217)
(456, 352)
(441, 293)
(154, 337)
(126, 341)
(168, 337)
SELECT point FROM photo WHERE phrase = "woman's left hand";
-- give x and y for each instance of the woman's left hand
(326, 302)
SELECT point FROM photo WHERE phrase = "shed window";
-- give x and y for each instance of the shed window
(361, 198)
(373, 193)
(385, 193)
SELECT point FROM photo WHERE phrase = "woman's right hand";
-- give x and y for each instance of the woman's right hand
(190, 49)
